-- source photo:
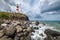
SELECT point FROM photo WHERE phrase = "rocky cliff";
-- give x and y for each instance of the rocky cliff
(13, 16)
(15, 30)
(14, 26)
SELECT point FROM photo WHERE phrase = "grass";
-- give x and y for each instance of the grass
(4, 15)
(9, 15)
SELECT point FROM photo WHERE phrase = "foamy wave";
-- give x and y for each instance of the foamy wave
(39, 32)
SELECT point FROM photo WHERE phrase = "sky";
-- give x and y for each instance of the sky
(35, 9)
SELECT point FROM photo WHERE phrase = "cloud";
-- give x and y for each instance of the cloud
(4, 6)
(51, 17)
(34, 9)
(51, 10)
(55, 6)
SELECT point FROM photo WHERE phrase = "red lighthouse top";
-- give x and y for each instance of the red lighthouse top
(17, 6)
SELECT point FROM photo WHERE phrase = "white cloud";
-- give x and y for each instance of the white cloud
(33, 8)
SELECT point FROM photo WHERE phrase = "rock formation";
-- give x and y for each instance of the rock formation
(13, 16)
(52, 34)
(14, 26)
(15, 30)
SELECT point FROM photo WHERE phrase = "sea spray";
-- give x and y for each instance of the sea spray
(39, 33)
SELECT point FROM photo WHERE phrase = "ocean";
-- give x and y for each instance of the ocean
(55, 24)
(42, 27)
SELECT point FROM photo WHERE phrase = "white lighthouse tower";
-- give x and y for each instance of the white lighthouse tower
(17, 8)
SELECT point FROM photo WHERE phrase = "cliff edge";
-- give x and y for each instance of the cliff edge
(13, 16)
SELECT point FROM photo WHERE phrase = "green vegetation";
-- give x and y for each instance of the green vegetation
(13, 15)
(4, 15)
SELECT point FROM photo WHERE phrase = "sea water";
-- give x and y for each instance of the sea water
(55, 24)
(39, 33)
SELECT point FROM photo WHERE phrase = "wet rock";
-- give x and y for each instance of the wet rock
(49, 37)
(41, 35)
(57, 38)
(52, 32)
(37, 22)
(36, 28)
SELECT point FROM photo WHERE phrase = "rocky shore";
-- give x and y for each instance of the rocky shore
(52, 35)
(44, 32)
(14, 26)
(18, 27)
(15, 30)
(26, 30)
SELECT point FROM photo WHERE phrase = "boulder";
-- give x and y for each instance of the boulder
(20, 34)
(19, 29)
(29, 29)
(25, 38)
(10, 31)
(24, 27)
(37, 22)
(49, 37)
(1, 27)
(1, 33)
(22, 38)
(58, 38)
(5, 38)
(52, 34)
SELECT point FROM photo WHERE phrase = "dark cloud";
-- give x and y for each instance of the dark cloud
(10, 2)
(38, 16)
(53, 7)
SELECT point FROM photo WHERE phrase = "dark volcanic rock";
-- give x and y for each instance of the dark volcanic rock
(49, 37)
(52, 35)
(37, 22)
(52, 32)
(58, 38)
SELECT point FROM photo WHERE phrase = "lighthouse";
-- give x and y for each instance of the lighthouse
(17, 8)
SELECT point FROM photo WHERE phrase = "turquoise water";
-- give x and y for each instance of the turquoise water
(55, 24)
